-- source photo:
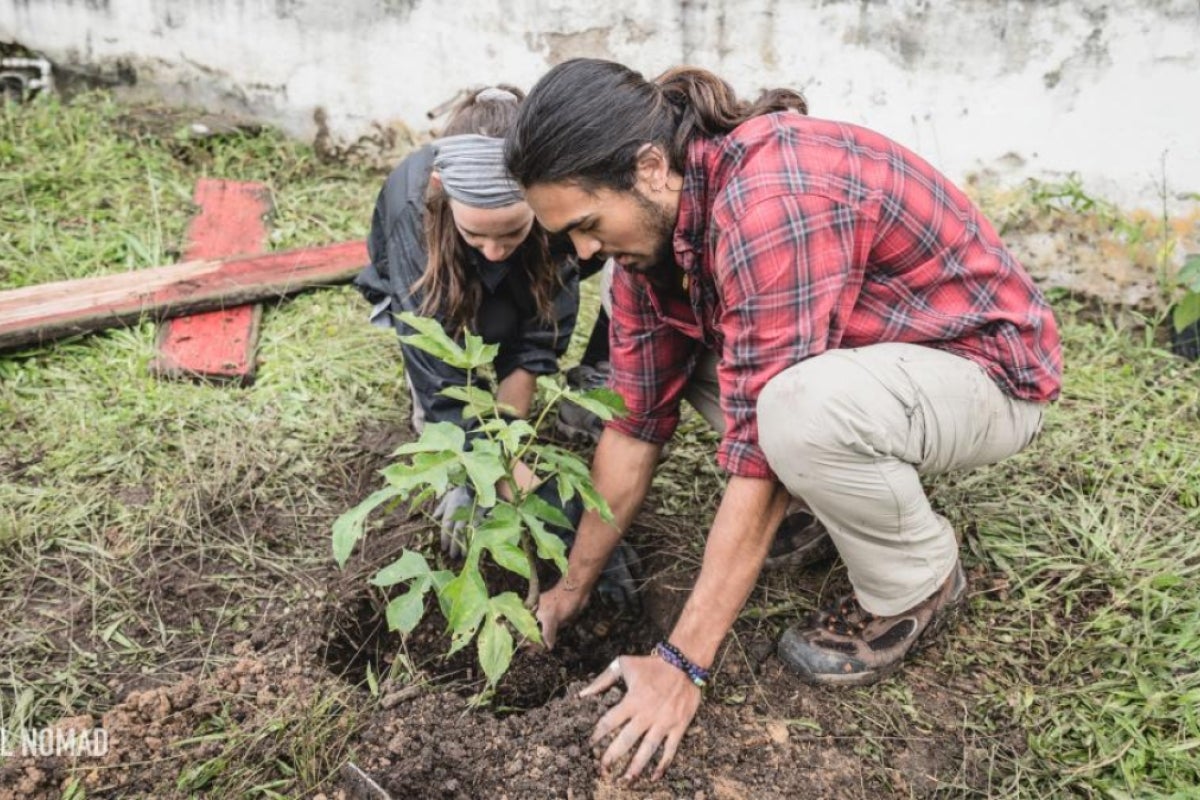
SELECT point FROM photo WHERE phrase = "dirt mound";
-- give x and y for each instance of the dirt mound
(240, 727)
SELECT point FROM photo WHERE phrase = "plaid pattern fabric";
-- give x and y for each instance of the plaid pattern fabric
(798, 235)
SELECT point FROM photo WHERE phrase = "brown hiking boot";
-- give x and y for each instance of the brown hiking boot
(800, 541)
(847, 646)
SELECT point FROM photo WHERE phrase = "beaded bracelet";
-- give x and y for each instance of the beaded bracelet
(671, 654)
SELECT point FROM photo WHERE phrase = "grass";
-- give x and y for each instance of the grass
(117, 489)
(1099, 657)
(114, 484)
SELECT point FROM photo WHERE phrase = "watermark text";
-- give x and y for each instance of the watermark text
(48, 742)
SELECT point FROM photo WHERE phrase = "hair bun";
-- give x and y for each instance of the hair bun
(495, 94)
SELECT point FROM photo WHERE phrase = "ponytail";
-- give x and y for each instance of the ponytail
(706, 105)
(586, 120)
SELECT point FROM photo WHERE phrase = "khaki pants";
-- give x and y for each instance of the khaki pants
(850, 432)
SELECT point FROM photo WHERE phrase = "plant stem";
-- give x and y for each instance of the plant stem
(535, 591)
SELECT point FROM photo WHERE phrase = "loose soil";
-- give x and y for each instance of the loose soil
(322, 668)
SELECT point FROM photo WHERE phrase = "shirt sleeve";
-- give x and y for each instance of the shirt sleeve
(782, 268)
(651, 362)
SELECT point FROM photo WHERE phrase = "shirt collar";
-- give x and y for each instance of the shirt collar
(692, 221)
(491, 273)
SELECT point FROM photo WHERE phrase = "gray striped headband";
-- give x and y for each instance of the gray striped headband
(472, 171)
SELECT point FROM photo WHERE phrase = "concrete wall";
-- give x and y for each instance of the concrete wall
(1106, 88)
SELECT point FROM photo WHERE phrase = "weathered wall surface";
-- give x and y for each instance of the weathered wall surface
(1021, 87)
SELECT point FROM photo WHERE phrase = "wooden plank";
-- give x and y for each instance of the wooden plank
(218, 345)
(38, 314)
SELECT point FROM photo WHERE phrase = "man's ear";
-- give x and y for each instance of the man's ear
(653, 168)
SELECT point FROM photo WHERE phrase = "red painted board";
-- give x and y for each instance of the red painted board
(36, 314)
(218, 345)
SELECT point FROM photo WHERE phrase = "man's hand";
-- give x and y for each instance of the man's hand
(659, 705)
(558, 606)
(454, 527)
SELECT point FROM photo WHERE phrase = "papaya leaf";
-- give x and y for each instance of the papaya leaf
(593, 500)
(550, 386)
(549, 546)
(510, 435)
(503, 523)
(564, 462)
(500, 535)
(424, 471)
(570, 482)
(509, 606)
(512, 558)
(440, 586)
(348, 528)
(495, 649)
(433, 339)
(532, 505)
(604, 403)
(479, 354)
(436, 436)
(460, 639)
(467, 598)
(476, 401)
(485, 468)
(408, 566)
(405, 612)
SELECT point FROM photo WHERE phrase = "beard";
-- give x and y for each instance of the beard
(659, 228)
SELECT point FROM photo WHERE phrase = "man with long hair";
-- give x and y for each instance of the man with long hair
(854, 321)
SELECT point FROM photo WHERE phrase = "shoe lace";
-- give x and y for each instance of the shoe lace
(846, 617)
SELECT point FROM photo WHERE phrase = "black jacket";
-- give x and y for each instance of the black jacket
(507, 312)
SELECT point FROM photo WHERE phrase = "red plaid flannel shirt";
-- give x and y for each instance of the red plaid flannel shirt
(798, 235)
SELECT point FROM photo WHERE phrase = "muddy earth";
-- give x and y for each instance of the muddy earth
(318, 684)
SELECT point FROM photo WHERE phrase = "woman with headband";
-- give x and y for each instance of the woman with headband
(452, 238)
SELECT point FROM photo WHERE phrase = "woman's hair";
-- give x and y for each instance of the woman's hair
(449, 288)
(586, 120)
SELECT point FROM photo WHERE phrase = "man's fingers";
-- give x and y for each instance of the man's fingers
(668, 754)
(625, 741)
(613, 719)
(603, 682)
(649, 747)
(549, 628)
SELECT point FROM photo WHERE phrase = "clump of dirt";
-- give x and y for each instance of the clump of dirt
(243, 725)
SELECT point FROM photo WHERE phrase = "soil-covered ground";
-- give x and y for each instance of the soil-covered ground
(407, 722)
(166, 573)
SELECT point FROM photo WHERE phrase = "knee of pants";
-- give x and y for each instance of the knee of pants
(809, 411)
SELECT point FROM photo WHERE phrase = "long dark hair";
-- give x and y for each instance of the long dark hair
(450, 290)
(586, 120)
